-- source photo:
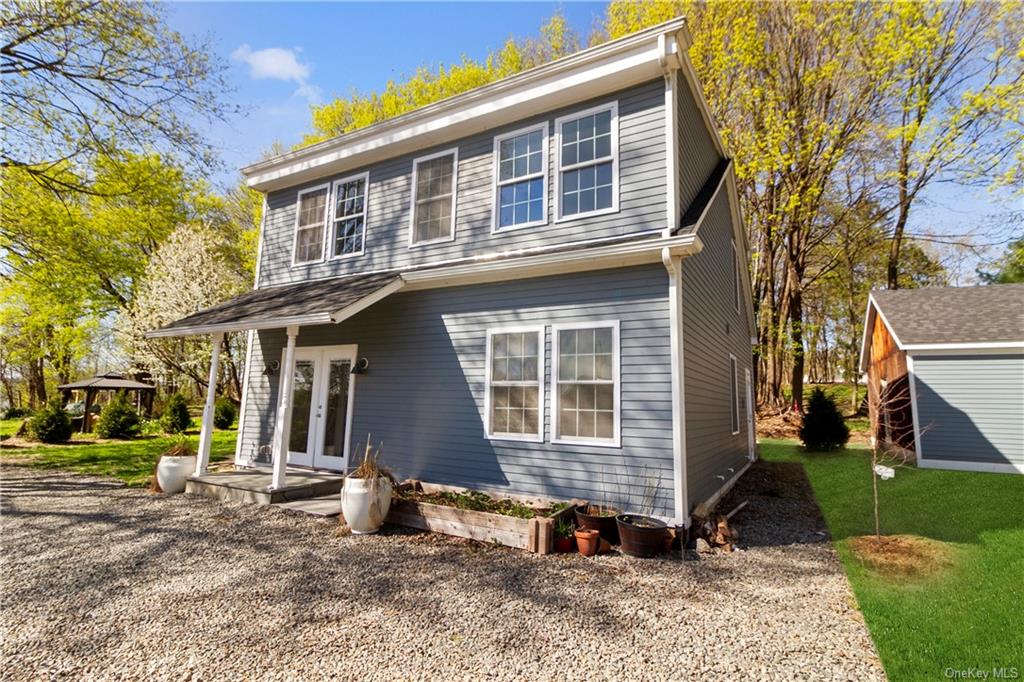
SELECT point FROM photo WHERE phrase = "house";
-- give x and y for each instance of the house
(535, 287)
(945, 369)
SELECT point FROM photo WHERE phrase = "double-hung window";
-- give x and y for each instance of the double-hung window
(515, 376)
(349, 218)
(734, 396)
(434, 180)
(588, 162)
(310, 221)
(586, 383)
(521, 162)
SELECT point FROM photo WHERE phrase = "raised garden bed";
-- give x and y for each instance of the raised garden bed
(511, 520)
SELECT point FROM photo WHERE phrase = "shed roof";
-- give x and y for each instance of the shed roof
(954, 315)
(109, 381)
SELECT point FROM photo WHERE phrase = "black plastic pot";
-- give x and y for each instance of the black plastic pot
(604, 525)
(642, 536)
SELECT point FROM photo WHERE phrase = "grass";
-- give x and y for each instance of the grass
(9, 426)
(965, 616)
(131, 461)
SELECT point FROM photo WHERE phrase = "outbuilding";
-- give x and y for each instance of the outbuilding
(945, 372)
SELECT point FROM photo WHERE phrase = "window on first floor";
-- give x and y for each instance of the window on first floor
(349, 217)
(515, 376)
(586, 383)
(734, 396)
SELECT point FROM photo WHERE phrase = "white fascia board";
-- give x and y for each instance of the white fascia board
(965, 347)
(269, 323)
(539, 265)
(588, 74)
(368, 300)
(869, 322)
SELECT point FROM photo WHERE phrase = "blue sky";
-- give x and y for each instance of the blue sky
(282, 57)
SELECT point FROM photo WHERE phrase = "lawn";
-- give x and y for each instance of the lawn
(132, 461)
(967, 617)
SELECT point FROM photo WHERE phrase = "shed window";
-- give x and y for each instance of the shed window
(587, 162)
(433, 209)
(515, 374)
(521, 171)
(349, 216)
(586, 383)
(311, 216)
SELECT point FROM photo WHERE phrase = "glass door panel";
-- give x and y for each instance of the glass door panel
(336, 412)
(302, 418)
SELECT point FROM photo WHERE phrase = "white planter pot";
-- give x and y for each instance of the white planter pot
(171, 472)
(365, 503)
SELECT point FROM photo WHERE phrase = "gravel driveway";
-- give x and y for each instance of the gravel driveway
(101, 581)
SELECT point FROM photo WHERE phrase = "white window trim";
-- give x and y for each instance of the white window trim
(527, 437)
(734, 393)
(454, 153)
(365, 177)
(295, 227)
(737, 290)
(615, 442)
(613, 106)
(498, 183)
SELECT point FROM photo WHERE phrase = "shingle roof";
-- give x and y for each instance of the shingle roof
(110, 380)
(954, 315)
(310, 302)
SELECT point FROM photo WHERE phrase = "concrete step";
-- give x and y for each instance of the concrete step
(324, 505)
(250, 487)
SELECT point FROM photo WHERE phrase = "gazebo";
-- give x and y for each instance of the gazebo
(109, 382)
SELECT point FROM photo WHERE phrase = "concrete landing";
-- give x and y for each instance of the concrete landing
(326, 505)
(250, 486)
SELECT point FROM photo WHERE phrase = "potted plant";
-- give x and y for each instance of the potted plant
(643, 535)
(175, 466)
(565, 541)
(600, 518)
(588, 541)
(366, 494)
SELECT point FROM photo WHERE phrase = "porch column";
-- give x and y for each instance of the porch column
(206, 433)
(283, 424)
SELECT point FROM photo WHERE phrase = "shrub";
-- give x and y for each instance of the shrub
(17, 413)
(50, 424)
(224, 413)
(823, 428)
(118, 419)
(175, 418)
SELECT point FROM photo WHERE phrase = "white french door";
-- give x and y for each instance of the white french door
(322, 399)
(751, 436)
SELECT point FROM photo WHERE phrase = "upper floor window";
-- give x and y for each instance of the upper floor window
(522, 160)
(349, 216)
(310, 218)
(586, 383)
(588, 162)
(434, 179)
(735, 278)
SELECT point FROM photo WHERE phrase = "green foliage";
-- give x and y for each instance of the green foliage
(1009, 268)
(429, 85)
(16, 413)
(823, 428)
(224, 413)
(118, 419)
(175, 418)
(563, 528)
(50, 424)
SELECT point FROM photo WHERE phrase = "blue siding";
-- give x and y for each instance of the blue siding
(642, 199)
(971, 407)
(424, 393)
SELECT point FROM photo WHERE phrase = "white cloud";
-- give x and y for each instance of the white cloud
(278, 63)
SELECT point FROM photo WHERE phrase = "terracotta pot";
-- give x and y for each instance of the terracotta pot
(587, 541)
(605, 525)
(565, 545)
(642, 536)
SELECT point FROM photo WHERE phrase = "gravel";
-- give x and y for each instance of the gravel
(101, 581)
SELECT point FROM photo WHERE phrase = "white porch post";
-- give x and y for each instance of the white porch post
(283, 424)
(206, 433)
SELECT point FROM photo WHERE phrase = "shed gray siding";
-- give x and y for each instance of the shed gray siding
(697, 154)
(971, 407)
(712, 329)
(642, 199)
(424, 393)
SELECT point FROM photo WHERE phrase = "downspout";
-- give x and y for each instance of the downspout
(673, 264)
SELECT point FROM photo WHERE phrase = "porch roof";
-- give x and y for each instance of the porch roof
(324, 301)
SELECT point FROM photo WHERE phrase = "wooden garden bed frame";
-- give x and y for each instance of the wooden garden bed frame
(534, 535)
